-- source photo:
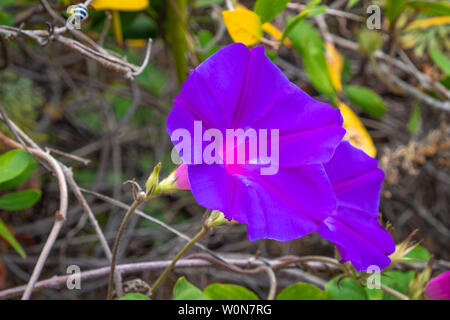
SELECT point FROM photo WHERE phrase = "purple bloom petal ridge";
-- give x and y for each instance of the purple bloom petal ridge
(438, 288)
(354, 228)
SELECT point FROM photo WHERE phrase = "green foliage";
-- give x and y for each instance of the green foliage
(6, 18)
(441, 60)
(438, 8)
(393, 9)
(414, 119)
(16, 166)
(9, 237)
(12, 164)
(134, 296)
(418, 253)
(367, 99)
(303, 291)
(22, 177)
(369, 41)
(136, 25)
(309, 12)
(348, 289)
(204, 37)
(269, 9)
(398, 281)
(219, 291)
(19, 200)
(352, 3)
(204, 3)
(309, 44)
(184, 290)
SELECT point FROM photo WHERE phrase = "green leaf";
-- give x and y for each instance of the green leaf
(348, 289)
(184, 290)
(219, 291)
(367, 99)
(393, 9)
(352, 3)
(6, 18)
(204, 3)
(369, 41)
(439, 8)
(303, 291)
(134, 296)
(398, 281)
(307, 13)
(441, 60)
(204, 38)
(418, 253)
(19, 200)
(13, 163)
(309, 44)
(7, 235)
(269, 9)
(21, 178)
(414, 119)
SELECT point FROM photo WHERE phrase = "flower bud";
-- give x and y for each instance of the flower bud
(177, 180)
(152, 181)
(217, 219)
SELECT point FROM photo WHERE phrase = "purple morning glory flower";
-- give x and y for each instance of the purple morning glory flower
(242, 88)
(439, 287)
(308, 191)
(354, 227)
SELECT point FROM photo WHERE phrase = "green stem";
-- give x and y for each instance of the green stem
(170, 267)
(395, 293)
(124, 224)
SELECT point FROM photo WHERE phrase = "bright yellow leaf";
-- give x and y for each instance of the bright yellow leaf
(120, 5)
(425, 23)
(243, 26)
(335, 64)
(275, 33)
(356, 134)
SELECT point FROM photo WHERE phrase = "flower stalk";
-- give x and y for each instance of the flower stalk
(122, 228)
(139, 198)
(203, 232)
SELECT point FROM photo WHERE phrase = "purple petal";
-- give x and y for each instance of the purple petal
(212, 91)
(356, 178)
(309, 130)
(439, 287)
(284, 206)
(238, 88)
(354, 227)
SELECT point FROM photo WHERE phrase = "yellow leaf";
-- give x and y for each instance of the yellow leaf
(356, 134)
(243, 26)
(424, 23)
(136, 43)
(335, 64)
(275, 33)
(117, 27)
(120, 5)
